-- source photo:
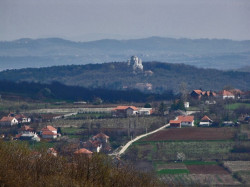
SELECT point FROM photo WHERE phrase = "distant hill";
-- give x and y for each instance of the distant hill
(206, 53)
(162, 76)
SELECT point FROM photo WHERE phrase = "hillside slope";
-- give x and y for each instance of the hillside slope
(164, 76)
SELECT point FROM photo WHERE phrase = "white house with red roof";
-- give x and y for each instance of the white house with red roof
(125, 111)
(186, 121)
(205, 121)
(8, 121)
(227, 95)
(21, 118)
(49, 132)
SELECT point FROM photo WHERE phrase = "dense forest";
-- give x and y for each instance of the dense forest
(58, 91)
(118, 76)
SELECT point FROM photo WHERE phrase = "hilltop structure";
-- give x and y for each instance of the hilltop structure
(136, 63)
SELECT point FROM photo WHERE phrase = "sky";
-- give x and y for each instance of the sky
(85, 20)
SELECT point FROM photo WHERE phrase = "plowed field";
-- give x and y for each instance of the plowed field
(206, 169)
(192, 133)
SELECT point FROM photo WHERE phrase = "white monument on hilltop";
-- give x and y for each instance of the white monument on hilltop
(136, 63)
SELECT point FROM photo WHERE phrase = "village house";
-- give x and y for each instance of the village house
(227, 95)
(25, 128)
(97, 143)
(28, 136)
(205, 121)
(49, 132)
(175, 123)
(145, 111)
(186, 121)
(198, 94)
(22, 118)
(8, 121)
(124, 111)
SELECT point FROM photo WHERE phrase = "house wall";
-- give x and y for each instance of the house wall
(187, 124)
(49, 136)
(206, 123)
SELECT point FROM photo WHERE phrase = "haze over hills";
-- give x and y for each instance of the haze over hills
(206, 53)
(119, 76)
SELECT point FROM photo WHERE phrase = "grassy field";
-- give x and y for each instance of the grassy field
(237, 105)
(172, 171)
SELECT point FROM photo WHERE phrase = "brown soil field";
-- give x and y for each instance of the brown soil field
(192, 133)
(206, 169)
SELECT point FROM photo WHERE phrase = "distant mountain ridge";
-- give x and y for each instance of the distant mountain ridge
(206, 53)
(119, 76)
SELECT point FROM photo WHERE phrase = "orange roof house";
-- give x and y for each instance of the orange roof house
(198, 94)
(227, 95)
(49, 132)
(186, 120)
(8, 121)
(205, 121)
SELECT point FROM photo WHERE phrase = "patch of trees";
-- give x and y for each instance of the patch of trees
(58, 91)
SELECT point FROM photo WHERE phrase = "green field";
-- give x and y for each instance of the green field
(237, 105)
(173, 171)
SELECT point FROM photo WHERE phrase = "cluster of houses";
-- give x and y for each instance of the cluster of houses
(97, 143)
(28, 133)
(125, 111)
(224, 94)
(14, 119)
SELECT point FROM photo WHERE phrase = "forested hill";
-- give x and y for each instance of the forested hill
(118, 75)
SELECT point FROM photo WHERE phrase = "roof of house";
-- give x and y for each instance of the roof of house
(175, 121)
(83, 151)
(227, 93)
(7, 118)
(18, 116)
(197, 91)
(186, 118)
(26, 128)
(101, 135)
(48, 132)
(49, 127)
(206, 118)
(125, 107)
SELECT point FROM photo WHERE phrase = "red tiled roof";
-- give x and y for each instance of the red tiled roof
(101, 135)
(26, 128)
(48, 133)
(175, 121)
(186, 118)
(49, 127)
(125, 107)
(18, 116)
(206, 118)
(227, 93)
(198, 91)
(83, 151)
(7, 118)
(52, 150)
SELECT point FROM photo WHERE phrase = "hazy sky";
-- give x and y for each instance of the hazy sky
(83, 20)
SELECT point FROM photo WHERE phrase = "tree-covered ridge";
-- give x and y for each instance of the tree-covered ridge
(117, 75)
(58, 91)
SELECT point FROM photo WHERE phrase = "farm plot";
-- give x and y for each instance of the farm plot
(206, 169)
(235, 166)
(192, 134)
(241, 169)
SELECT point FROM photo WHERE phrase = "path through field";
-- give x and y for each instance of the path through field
(125, 147)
